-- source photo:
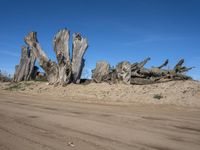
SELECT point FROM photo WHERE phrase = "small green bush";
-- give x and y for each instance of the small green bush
(158, 96)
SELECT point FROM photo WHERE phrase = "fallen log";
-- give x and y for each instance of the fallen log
(136, 66)
(141, 81)
(136, 73)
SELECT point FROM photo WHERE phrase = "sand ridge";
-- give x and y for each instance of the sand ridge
(179, 93)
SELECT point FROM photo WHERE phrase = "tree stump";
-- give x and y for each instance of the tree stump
(50, 67)
(64, 71)
(80, 45)
(61, 48)
(123, 70)
(101, 72)
(24, 71)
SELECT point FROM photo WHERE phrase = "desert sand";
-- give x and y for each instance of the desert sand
(38, 116)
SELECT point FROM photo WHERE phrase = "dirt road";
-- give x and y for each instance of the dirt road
(39, 123)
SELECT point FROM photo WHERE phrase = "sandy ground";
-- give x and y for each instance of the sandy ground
(41, 117)
(179, 93)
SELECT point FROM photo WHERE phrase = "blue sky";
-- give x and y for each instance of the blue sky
(117, 30)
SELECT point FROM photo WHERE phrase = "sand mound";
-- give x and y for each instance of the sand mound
(180, 93)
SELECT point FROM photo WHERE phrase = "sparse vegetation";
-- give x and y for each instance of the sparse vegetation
(21, 86)
(158, 96)
(4, 77)
(40, 79)
(14, 86)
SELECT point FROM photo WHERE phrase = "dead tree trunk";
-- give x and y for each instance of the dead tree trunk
(80, 45)
(32, 60)
(164, 64)
(101, 71)
(64, 72)
(137, 67)
(138, 74)
(24, 70)
(181, 69)
(61, 48)
(141, 81)
(123, 70)
(50, 67)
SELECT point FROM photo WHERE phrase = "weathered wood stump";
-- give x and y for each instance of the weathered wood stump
(101, 72)
(64, 71)
(24, 71)
(61, 48)
(123, 70)
(80, 45)
(50, 67)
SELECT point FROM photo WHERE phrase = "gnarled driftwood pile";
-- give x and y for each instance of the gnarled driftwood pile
(68, 69)
(136, 73)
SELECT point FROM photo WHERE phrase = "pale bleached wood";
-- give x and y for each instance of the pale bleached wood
(80, 45)
(123, 70)
(24, 70)
(101, 72)
(50, 67)
(61, 48)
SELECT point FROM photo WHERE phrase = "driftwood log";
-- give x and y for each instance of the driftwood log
(25, 70)
(136, 73)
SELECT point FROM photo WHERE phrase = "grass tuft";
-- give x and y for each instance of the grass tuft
(21, 86)
(158, 96)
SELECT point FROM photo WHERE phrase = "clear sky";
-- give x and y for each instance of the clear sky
(117, 30)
